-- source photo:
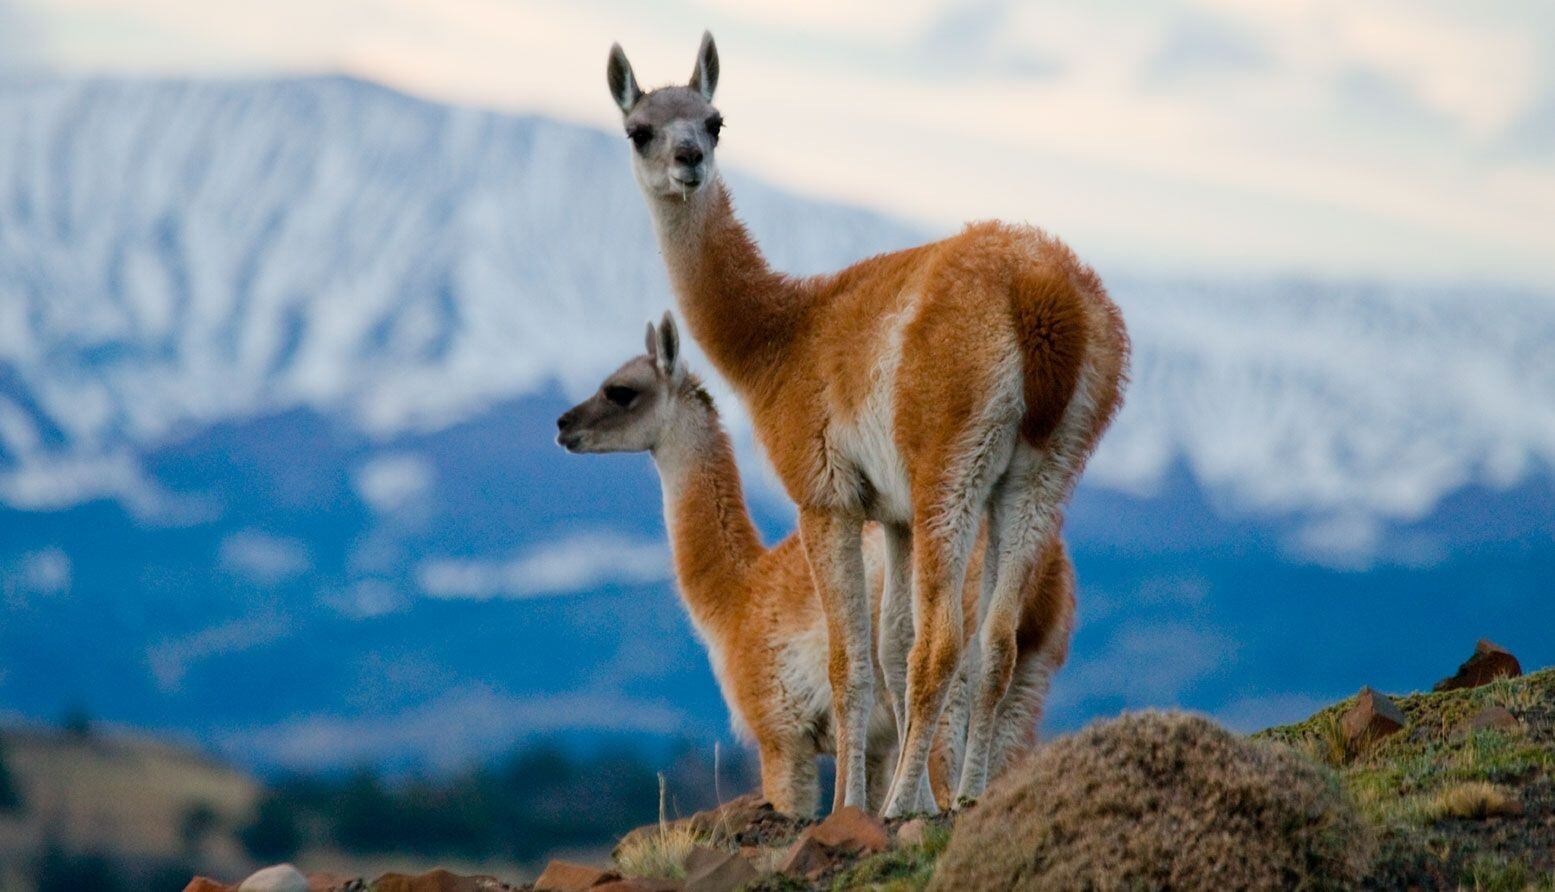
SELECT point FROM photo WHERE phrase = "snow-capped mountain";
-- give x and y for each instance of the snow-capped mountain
(279, 359)
(179, 254)
(176, 255)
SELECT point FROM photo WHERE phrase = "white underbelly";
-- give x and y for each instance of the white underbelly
(870, 451)
(802, 675)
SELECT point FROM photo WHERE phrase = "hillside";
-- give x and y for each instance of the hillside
(1464, 794)
(1458, 796)
(150, 803)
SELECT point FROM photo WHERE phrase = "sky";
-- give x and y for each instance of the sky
(1403, 139)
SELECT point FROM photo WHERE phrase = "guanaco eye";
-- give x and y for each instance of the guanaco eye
(620, 395)
(715, 125)
(640, 135)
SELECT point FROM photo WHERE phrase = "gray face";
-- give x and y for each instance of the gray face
(673, 130)
(632, 409)
(626, 414)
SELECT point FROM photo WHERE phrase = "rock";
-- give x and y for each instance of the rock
(566, 876)
(714, 870)
(912, 833)
(280, 878)
(639, 884)
(206, 884)
(1490, 718)
(846, 832)
(328, 882)
(808, 857)
(1489, 662)
(437, 881)
(1373, 717)
(851, 829)
(1494, 717)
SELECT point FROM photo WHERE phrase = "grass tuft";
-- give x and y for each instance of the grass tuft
(1493, 873)
(661, 854)
(1472, 800)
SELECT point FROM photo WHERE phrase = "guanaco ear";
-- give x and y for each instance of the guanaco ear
(623, 84)
(653, 343)
(704, 78)
(667, 352)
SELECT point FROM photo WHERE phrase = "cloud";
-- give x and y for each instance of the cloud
(18, 38)
(367, 598)
(1199, 43)
(1342, 542)
(51, 482)
(389, 483)
(1148, 665)
(578, 563)
(976, 38)
(263, 558)
(170, 660)
(1532, 135)
(47, 572)
(1272, 163)
(461, 726)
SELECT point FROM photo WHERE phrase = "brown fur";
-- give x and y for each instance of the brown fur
(802, 353)
(749, 602)
(819, 364)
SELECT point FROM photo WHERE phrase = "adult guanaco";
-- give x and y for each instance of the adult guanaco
(756, 608)
(936, 390)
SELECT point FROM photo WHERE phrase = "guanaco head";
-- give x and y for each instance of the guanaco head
(673, 130)
(637, 404)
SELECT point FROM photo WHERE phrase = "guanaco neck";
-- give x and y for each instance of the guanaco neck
(740, 310)
(714, 543)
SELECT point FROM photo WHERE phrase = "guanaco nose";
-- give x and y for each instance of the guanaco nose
(567, 420)
(689, 154)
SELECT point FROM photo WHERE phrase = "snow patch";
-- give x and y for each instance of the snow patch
(577, 563)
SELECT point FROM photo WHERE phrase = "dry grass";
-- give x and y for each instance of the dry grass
(1327, 744)
(1513, 696)
(1473, 800)
(661, 854)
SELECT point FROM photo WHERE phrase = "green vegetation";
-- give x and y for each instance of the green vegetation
(904, 869)
(1452, 805)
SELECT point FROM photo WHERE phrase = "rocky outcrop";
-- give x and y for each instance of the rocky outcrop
(1489, 662)
(1373, 717)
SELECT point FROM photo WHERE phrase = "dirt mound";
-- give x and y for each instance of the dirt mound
(1164, 801)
